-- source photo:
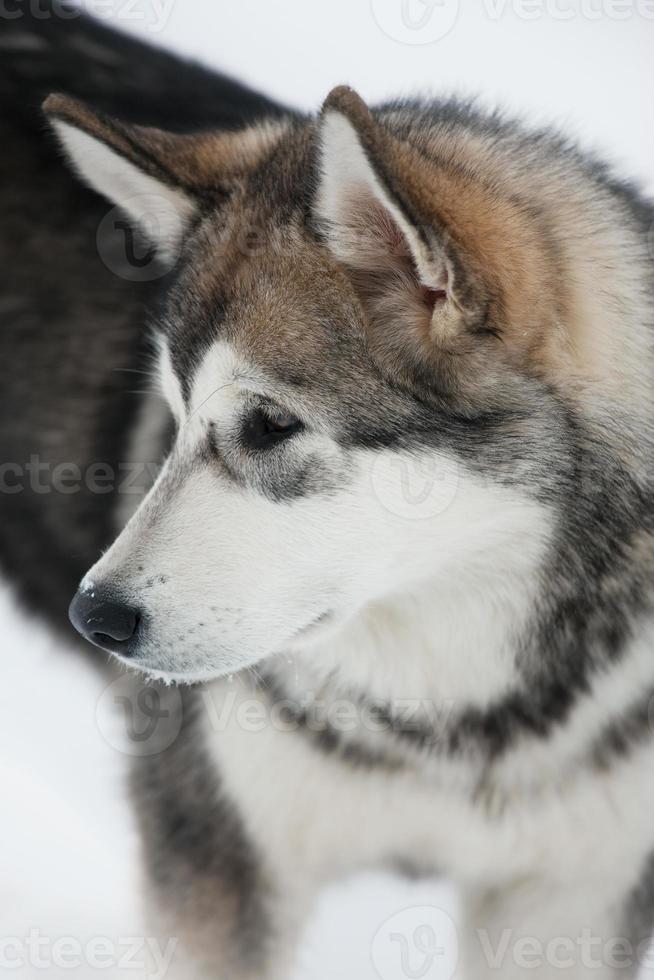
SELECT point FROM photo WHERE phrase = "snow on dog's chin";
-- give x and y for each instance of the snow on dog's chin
(187, 674)
(183, 670)
(179, 678)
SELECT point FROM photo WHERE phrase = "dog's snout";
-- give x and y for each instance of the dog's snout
(104, 620)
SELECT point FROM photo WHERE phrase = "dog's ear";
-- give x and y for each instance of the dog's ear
(401, 258)
(160, 179)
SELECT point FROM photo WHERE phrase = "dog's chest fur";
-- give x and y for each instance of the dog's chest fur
(295, 750)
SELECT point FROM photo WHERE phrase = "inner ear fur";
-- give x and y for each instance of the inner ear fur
(404, 261)
(498, 274)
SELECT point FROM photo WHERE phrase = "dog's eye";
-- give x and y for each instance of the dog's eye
(265, 427)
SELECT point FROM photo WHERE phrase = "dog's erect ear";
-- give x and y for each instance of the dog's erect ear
(159, 179)
(133, 167)
(403, 262)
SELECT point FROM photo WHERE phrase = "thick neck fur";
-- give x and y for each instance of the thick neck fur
(524, 676)
(451, 643)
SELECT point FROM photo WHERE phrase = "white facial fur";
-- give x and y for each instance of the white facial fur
(226, 576)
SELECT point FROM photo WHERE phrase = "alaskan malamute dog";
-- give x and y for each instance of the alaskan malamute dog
(403, 538)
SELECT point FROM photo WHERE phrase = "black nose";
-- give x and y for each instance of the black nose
(104, 620)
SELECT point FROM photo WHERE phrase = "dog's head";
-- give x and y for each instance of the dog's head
(375, 346)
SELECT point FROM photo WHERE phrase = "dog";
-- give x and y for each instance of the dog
(393, 583)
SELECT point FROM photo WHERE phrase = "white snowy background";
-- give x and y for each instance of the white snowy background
(68, 848)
